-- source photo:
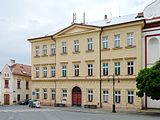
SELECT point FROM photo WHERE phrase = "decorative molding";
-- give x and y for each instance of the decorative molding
(76, 61)
(64, 62)
(105, 49)
(117, 48)
(103, 60)
(89, 60)
(117, 59)
(87, 51)
(130, 46)
(76, 52)
(130, 58)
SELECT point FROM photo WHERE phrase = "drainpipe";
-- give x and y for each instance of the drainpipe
(100, 75)
(55, 73)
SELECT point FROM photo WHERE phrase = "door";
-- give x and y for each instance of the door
(76, 96)
(6, 99)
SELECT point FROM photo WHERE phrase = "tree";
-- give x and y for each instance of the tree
(148, 82)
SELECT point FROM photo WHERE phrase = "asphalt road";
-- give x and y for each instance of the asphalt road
(25, 113)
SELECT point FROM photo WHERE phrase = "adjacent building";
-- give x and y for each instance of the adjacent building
(15, 82)
(78, 64)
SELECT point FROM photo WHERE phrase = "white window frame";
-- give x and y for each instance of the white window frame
(130, 39)
(90, 69)
(53, 71)
(45, 94)
(37, 51)
(130, 97)
(105, 96)
(64, 70)
(53, 49)
(64, 47)
(37, 93)
(117, 41)
(89, 43)
(105, 69)
(44, 49)
(76, 45)
(130, 67)
(118, 96)
(44, 71)
(53, 94)
(117, 67)
(76, 67)
(105, 42)
(64, 93)
(37, 72)
(90, 96)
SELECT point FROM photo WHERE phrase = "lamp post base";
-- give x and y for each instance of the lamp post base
(113, 109)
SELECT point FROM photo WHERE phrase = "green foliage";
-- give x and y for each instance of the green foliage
(148, 82)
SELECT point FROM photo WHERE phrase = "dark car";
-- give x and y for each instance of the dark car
(25, 102)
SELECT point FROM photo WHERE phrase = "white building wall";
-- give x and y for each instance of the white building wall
(152, 38)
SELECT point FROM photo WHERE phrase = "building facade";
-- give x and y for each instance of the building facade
(15, 83)
(151, 43)
(78, 63)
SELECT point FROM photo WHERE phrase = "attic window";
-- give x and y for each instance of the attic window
(139, 15)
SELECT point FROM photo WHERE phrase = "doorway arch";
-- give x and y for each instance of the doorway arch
(76, 96)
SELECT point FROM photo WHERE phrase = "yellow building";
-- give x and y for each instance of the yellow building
(76, 65)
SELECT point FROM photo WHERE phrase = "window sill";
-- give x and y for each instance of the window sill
(52, 55)
(37, 56)
(77, 52)
(44, 55)
(105, 49)
(130, 46)
(64, 53)
(87, 51)
(117, 48)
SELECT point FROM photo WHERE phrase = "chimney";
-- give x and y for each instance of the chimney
(12, 62)
(105, 17)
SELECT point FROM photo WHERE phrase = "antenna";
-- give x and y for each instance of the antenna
(83, 17)
(74, 18)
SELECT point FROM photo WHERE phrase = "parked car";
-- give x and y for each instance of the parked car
(34, 104)
(24, 102)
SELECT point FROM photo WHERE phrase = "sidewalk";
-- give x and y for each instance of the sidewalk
(102, 110)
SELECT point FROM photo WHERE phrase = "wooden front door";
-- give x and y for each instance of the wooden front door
(76, 96)
(6, 99)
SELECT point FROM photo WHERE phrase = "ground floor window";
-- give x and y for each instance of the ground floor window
(18, 97)
(27, 96)
(53, 94)
(105, 96)
(130, 97)
(90, 95)
(44, 93)
(64, 93)
(117, 96)
(37, 93)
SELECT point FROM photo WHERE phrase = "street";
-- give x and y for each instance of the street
(26, 113)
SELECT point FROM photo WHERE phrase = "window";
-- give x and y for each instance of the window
(53, 49)
(90, 69)
(117, 41)
(90, 43)
(18, 84)
(53, 71)
(53, 92)
(37, 51)
(64, 47)
(27, 84)
(37, 93)
(117, 96)
(18, 97)
(117, 68)
(105, 68)
(76, 46)
(90, 95)
(130, 68)
(44, 49)
(45, 94)
(64, 93)
(105, 96)
(130, 39)
(130, 97)
(64, 70)
(6, 83)
(27, 96)
(44, 71)
(37, 72)
(104, 42)
(76, 67)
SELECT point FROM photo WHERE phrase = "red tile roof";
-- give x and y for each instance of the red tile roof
(21, 69)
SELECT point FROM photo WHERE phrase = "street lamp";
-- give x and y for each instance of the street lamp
(113, 104)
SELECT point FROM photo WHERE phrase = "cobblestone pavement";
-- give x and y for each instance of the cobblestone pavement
(72, 113)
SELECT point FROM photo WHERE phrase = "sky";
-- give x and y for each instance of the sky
(24, 19)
